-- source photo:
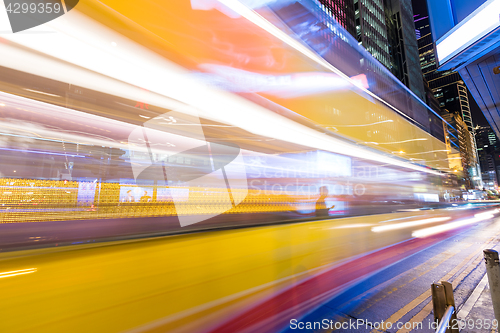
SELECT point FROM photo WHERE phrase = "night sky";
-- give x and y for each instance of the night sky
(477, 115)
(419, 7)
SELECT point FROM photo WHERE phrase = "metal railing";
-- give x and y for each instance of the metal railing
(443, 301)
(443, 325)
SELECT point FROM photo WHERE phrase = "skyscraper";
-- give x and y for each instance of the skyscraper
(404, 49)
(452, 95)
(385, 29)
(487, 150)
(461, 137)
(343, 12)
(371, 29)
(448, 86)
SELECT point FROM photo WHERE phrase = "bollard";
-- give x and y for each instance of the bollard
(493, 271)
(443, 304)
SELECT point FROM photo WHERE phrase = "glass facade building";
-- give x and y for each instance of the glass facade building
(461, 137)
(343, 12)
(448, 88)
(371, 29)
(404, 49)
(385, 29)
(487, 150)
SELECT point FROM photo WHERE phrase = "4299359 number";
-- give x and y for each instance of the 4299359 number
(41, 8)
(473, 324)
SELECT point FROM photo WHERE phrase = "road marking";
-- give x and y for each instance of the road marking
(442, 257)
(419, 317)
(413, 304)
(417, 301)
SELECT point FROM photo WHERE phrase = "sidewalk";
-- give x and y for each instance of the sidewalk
(478, 309)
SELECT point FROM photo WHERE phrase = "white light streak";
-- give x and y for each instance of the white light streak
(454, 225)
(361, 125)
(404, 141)
(80, 41)
(18, 272)
(41, 92)
(350, 226)
(258, 20)
(409, 224)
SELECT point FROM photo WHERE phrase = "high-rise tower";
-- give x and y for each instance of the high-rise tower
(450, 91)
(343, 12)
(404, 49)
(371, 29)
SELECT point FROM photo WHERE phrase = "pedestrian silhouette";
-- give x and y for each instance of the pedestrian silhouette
(129, 197)
(145, 197)
(321, 208)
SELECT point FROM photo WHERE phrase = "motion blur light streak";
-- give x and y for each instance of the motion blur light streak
(349, 226)
(78, 41)
(404, 141)
(290, 85)
(147, 70)
(255, 119)
(16, 273)
(454, 225)
(433, 151)
(397, 219)
(41, 92)
(258, 20)
(361, 125)
(409, 224)
(84, 119)
(137, 241)
(487, 215)
(41, 152)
